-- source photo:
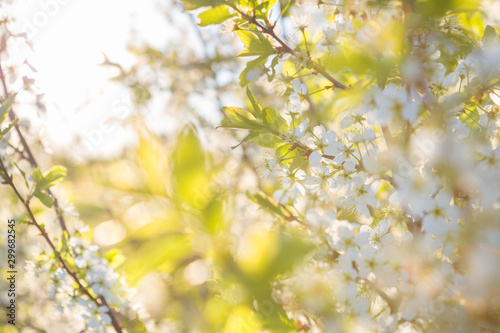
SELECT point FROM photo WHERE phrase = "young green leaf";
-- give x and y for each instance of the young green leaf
(251, 136)
(195, 4)
(215, 15)
(489, 34)
(256, 63)
(274, 120)
(269, 140)
(240, 118)
(256, 107)
(37, 176)
(267, 203)
(256, 44)
(5, 107)
(8, 128)
(52, 177)
(45, 199)
(24, 175)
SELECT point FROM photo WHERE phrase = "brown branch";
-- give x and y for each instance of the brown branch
(7, 179)
(29, 155)
(288, 49)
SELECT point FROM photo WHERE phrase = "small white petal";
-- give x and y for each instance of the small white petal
(495, 96)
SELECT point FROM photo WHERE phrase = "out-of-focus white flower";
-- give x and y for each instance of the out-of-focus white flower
(414, 187)
(228, 27)
(300, 22)
(332, 35)
(267, 167)
(320, 221)
(439, 81)
(295, 99)
(495, 96)
(326, 141)
(298, 132)
(97, 317)
(286, 197)
(469, 65)
(379, 235)
(393, 101)
(254, 74)
(291, 180)
(441, 216)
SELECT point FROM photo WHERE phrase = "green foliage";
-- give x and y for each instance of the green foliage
(489, 34)
(257, 109)
(195, 4)
(215, 15)
(266, 125)
(174, 213)
(268, 203)
(50, 178)
(8, 128)
(255, 43)
(274, 121)
(241, 119)
(251, 65)
(437, 8)
(43, 182)
(213, 214)
(5, 107)
(191, 180)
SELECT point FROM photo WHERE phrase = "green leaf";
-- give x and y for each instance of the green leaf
(283, 150)
(192, 181)
(195, 4)
(256, 107)
(489, 34)
(251, 136)
(271, 3)
(256, 44)
(293, 249)
(37, 176)
(24, 175)
(269, 140)
(289, 2)
(267, 203)
(213, 214)
(52, 177)
(240, 118)
(259, 62)
(274, 120)
(5, 107)
(45, 199)
(274, 63)
(8, 128)
(215, 15)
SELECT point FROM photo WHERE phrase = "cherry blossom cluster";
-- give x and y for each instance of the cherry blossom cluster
(402, 193)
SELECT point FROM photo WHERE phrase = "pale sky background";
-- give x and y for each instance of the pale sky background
(69, 39)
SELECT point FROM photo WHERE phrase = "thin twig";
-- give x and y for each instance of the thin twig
(289, 50)
(9, 181)
(29, 155)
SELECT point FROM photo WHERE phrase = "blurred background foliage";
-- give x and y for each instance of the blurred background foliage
(172, 212)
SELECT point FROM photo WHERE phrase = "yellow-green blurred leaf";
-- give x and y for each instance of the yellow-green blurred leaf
(190, 171)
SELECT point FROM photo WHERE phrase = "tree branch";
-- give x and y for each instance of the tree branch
(288, 49)
(29, 155)
(7, 179)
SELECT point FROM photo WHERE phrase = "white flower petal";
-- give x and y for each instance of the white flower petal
(495, 96)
